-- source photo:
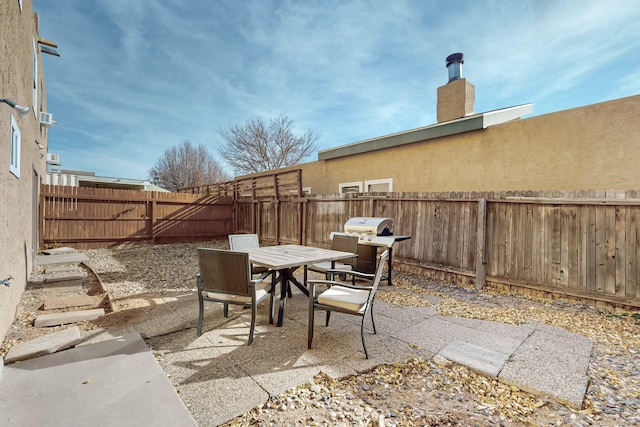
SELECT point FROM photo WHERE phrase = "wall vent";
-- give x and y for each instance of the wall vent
(46, 119)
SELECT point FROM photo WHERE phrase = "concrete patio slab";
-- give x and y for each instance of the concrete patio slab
(544, 366)
(100, 384)
(219, 376)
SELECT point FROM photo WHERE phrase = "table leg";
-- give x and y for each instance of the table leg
(286, 278)
(389, 266)
(284, 284)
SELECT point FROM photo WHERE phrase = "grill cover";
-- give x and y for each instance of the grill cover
(369, 226)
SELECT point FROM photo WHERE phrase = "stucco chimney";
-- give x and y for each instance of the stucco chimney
(455, 99)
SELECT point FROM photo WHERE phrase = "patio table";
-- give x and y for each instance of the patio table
(285, 259)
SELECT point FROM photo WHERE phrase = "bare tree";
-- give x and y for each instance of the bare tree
(186, 166)
(255, 147)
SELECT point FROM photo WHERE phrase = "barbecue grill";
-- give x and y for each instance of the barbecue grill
(372, 233)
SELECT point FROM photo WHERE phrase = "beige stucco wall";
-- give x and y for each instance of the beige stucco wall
(18, 30)
(589, 148)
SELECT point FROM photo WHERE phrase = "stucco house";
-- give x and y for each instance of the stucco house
(586, 148)
(24, 132)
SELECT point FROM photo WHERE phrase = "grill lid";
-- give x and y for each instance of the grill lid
(369, 225)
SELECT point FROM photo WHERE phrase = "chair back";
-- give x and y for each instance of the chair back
(378, 276)
(225, 271)
(366, 260)
(346, 244)
(242, 242)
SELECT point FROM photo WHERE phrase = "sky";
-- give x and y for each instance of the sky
(136, 78)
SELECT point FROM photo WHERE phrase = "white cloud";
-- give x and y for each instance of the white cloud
(139, 77)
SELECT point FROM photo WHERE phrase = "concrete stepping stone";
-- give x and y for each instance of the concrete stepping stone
(46, 344)
(482, 360)
(72, 301)
(55, 319)
(57, 251)
(63, 258)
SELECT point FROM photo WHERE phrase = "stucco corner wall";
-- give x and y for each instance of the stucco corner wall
(19, 192)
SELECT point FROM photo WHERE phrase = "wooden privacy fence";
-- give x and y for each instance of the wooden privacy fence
(88, 218)
(581, 245)
(271, 203)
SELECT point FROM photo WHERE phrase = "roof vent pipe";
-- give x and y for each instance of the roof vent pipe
(454, 65)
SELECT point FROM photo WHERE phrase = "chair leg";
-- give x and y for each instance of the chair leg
(372, 321)
(200, 315)
(310, 321)
(226, 310)
(272, 303)
(364, 345)
(254, 314)
(326, 323)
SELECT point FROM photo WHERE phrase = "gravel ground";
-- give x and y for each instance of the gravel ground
(418, 392)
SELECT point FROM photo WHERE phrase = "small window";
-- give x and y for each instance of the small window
(379, 185)
(350, 187)
(14, 167)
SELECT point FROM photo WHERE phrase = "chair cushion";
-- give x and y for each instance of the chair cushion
(343, 297)
(261, 293)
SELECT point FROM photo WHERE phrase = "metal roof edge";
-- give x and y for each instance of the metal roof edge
(497, 117)
(452, 127)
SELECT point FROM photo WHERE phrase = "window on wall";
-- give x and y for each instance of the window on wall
(350, 187)
(35, 80)
(14, 167)
(379, 185)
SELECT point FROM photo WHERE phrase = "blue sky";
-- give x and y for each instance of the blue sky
(138, 77)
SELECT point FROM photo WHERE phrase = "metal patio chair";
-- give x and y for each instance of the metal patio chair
(338, 243)
(242, 242)
(225, 277)
(345, 297)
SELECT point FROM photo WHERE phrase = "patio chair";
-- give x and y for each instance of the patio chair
(345, 297)
(242, 242)
(225, 277)
(338, 243)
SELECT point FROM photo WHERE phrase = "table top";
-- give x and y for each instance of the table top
(288, 256)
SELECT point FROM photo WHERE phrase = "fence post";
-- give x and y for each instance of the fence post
(152, 219)
(481, 261)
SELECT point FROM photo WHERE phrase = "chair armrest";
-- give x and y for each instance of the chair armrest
(261, 278)
(199, 282)
(355, 273)
(334, 282)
